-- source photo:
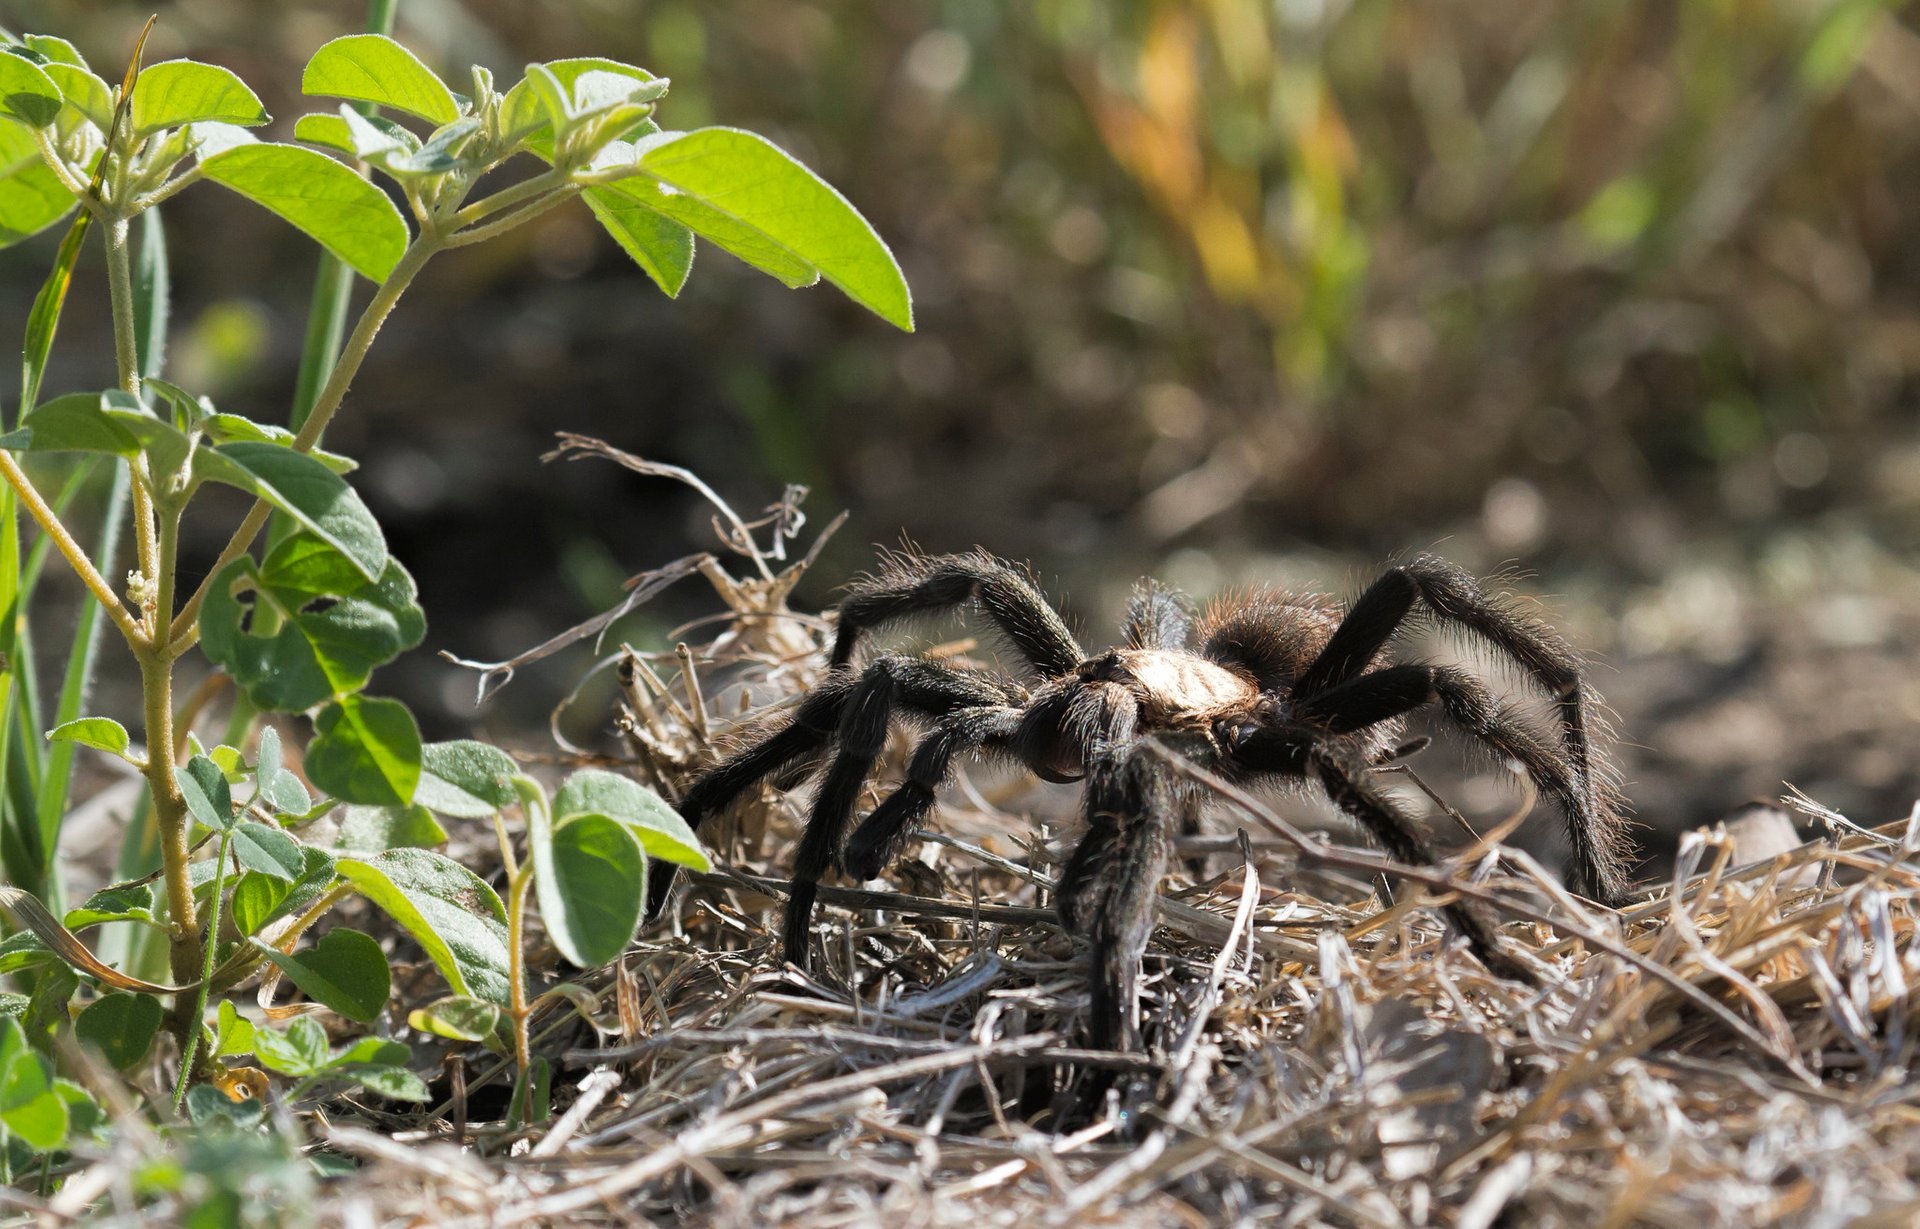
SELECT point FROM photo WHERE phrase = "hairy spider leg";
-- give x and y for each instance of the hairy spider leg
(915, 586)
(1455, 598)
(1388, 693)
(876, 842)
(1133, 803)
(808, 730)
(1159, 618)
(921, 687)
(1351, 789)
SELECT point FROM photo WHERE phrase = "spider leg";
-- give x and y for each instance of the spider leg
(1159, 618)
(877, 840)
(811, 725)
(1106, 889)
(1347, 784)
(921, 687)
(1455, 598)
(1468, 704)
(916, 585)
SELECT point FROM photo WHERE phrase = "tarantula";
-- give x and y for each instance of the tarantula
(1265, 687)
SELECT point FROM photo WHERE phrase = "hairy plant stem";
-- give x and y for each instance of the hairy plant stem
(184, 629)
(126, 352)
(191, 1045)
(517, 965)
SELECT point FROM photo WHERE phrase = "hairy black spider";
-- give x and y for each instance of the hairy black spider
(1264, 686)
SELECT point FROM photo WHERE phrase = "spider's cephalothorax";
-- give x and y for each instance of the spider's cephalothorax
(1265, 687)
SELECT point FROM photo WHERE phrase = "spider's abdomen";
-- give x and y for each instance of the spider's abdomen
(1181, 690)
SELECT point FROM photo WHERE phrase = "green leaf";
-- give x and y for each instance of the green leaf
(393, 1083)
(54, 50)
(84, 92)
(72, 422)
(100, 733)
(29, 1106)
(373, 68)
(233, 1032)
(291, 639)
(299, 1052)
(345, 970)
(365, 750)
(458, 1018)
(44, 319)
(374, 1051)
(371, 830)
(32, 197)
(179, 92)
(129, 903)
(260, 899)
(592, 881)
(279, 788)
(121, 1026)
(306, 490)
(269, 851)
(754, 183)
(26, 92)
(341, 211)
(524, 110)
(657, 826)
(465, 779)
(662, 247)
(207, 794)
(451, 912)
(228, 428)
(328, 131)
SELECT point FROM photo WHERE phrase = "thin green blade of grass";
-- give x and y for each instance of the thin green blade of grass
(24, 855)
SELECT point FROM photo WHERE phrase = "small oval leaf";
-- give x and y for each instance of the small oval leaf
(121, 1026)
(345, 970)
(592, 884)
(100, 733)
(376, 69)
(341, 211)
(365, 750)
(182, 91)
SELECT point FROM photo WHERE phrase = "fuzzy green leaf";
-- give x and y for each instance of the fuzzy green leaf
(303, 627)
(121, 1026)
(268, 851)
(754, 183)
(341, 211)
(32, 197)
(313, 495)
(365, 750)
(299, 1052)
(371, 830)
(657, 826)
(26, 92)
(182, 91)
(465, 779)
(207, 793)
(345, 970)
(592, 880)
(373, 68)
(100, 733)
(454, 916)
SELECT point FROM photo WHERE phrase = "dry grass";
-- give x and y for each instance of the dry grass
(1735, 1051)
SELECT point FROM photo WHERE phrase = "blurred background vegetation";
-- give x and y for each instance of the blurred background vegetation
(1623, 293)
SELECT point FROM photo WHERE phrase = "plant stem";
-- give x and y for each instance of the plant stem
(126, 351)
(517, 964)
(480, 234)
(192, 1044)
(183, 631)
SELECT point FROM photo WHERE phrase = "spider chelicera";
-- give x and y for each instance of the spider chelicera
(1264, 687)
